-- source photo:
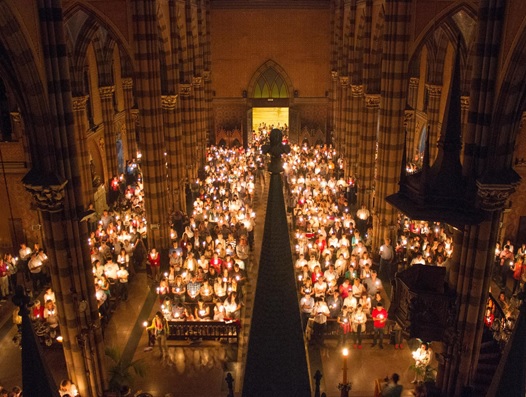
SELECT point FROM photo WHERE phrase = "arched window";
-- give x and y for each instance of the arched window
(270, 84)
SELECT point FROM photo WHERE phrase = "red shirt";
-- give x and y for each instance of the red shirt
(379, 316)
(154, 260)
(3, 269)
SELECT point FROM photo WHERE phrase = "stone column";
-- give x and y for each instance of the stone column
(153, 146)
(368, 149)
(395, 54)
(55, 183)
(344, 127)
(110, 145)
(470, 275)
(81, 128)
(199, 99)
(131, 136)
(353, 145)
(434, 93)
(412, 97)
(173, 156)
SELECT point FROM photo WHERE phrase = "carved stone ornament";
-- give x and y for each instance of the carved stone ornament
(464, 102)
(493, 197)
(106, 92)
(434, 90)
(185, 89)
(372, 100)
(15, 117)
(134, 113)
(344, 81)
(357, 90)
(101, 144)
(206, 75)
(334, 75)
(413, 81)
(197, 81)
(408, 116)
(47, 190)
(79, 103)
(168, 102)
(127, 83)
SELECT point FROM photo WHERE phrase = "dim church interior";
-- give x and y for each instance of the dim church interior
(87, 85)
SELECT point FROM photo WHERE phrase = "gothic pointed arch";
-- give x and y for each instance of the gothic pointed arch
(270, 81)
(510, 103)
(85, 26)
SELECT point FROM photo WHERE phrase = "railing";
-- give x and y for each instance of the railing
(208, 330)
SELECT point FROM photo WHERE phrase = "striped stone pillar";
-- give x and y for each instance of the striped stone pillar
(344, 112)
(81, 128)
(110, 143)
(353, 144)
(169, 103)
(470, 275)
(148, 91)
(412, 97)
(471, 270)
(131, 136)
(434, 93)
(368, 149)
(391, 134)
(199, 100)
(55, 184)
(464, 110)
(335, 100)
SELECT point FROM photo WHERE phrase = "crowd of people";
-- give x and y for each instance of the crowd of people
(211, 248)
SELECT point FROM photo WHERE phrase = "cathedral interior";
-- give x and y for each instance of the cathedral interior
(86, 85)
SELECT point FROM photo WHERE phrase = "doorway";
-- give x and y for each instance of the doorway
(276, 117)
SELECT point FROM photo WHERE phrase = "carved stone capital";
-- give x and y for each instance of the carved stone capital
(334, 75)
(408, 116)
(127, 83)
(344, 81)
(372, 100)
(79, 103)
(413, 82)
(206, 75)
(16, 117)
(106, 92)
(185, 89)
(197, 81)
(494, 196)
(134, 113)
(434, 90)
(464, 102)
(357, 90)
(47, 190)
(168, 102)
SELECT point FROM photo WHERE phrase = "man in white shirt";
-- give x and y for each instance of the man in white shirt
(111, 269)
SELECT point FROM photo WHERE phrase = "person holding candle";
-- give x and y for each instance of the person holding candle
(422, 357)
(379, 316)
(344, 320)
(359, 318)
(201, 311)
(154, 260)
(160, 329)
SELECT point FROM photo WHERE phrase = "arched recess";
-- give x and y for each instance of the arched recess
(452, 27)
(454, 22)
(21, 74)
(510, 104)
(84, 25)
(357, 61)
(167, 75)
(268, 80)
(374, 70)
